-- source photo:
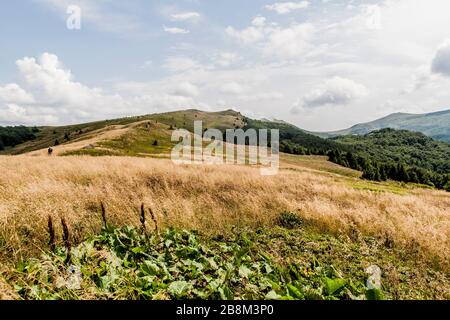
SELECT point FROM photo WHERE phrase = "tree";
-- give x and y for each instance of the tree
(402, 174)
(155, 143)
(383, 173)
(56, 143)
(369, 172)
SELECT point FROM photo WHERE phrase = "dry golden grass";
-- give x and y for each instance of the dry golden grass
(207, 198)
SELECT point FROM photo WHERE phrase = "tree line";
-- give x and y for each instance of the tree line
(377, 171)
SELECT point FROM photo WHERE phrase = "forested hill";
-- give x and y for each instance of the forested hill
(12, 136)
(294, 140)
(401, 146)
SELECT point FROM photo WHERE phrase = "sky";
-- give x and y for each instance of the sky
(319, 64)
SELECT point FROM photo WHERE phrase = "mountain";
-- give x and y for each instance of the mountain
(435, 125)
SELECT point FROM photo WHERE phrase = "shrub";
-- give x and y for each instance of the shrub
(289, 220)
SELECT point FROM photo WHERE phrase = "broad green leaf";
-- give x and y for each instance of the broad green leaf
(244, 271)
(272, 295)
(177, 288)
(334, 285)
(150, 268)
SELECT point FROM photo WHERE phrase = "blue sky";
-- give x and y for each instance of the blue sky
(322, 65)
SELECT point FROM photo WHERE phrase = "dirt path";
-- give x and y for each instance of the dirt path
(94, 137)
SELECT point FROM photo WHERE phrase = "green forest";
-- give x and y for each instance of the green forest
(12, 136)
(398, 155)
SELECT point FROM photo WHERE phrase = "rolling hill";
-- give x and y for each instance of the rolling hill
(435, 125)
(151, 134)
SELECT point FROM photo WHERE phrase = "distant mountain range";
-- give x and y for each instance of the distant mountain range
(435, 125)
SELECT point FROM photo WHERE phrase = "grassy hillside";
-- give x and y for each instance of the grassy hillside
(124, 136)
(150, 135)
(400, 146)
(435, 125)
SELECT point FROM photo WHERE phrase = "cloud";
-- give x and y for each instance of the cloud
(180, 64)
(175, 30)
(248, 35)
(259, 21)
(185, 16)
(186, 89)
(14, 93)
(441, 61)
(49, 95)
(289, 42)
(233, 88)
(262, 96)
(283, 42)
(336, 91)
(287, 7)
(226, 59)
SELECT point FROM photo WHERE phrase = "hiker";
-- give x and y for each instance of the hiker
(50, 151)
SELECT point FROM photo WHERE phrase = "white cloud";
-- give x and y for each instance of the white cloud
(49, 95)
(233, 88)
(287, 7)
(441, 60)
(226, 59)
(180, 64)
(283, 42)
(248, 35)
(185, 16)
(259, 21)
(262, 96)
(289, 42)
(186, 89)
(14, 93)
(336, 91)
(175, 30)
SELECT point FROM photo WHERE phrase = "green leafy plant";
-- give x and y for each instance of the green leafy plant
(125, 263)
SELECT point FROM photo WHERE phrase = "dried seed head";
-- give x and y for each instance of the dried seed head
(143, 217)
(66, 237)
(105, 222)
(153, 218)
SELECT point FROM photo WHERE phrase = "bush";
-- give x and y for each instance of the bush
(290, 220)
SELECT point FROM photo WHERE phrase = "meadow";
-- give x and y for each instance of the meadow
(216, 201)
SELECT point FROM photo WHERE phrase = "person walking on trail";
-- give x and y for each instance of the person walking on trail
(50, 151)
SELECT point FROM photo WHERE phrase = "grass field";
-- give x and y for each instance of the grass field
(411, 227)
